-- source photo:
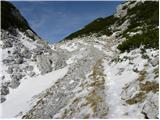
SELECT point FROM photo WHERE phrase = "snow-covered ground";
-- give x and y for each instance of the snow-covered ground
(121, 79)
(19, 99)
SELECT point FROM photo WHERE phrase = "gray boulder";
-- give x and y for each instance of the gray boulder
(57, 60)
(60, 63)
(44, 64)
(155, 61)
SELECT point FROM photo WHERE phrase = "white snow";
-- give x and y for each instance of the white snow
(117, 76)
(114, 85)
(25, 41)
(131, 34)
(18, 99)
(69, 47)
(100, 47)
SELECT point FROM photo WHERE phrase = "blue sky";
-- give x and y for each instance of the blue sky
(54, 20)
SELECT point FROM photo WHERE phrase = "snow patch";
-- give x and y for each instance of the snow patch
(18, 99)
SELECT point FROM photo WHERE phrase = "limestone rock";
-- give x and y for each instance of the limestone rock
(44, 64)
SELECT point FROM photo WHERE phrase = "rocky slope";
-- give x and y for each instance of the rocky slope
(108, 69)
(23, 53)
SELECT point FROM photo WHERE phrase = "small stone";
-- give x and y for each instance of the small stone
(2, 99)
(4, 90)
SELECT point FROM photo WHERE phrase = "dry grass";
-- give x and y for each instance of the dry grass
(138, 98)
(98, 79)
(93, 100)
(77, 100)
(156, 72)
(144, 88)
(149, 86)
(86, 116)
(142, 75)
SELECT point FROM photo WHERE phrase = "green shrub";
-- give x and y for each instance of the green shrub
(147, 11)
(146, 14)
(149, 39)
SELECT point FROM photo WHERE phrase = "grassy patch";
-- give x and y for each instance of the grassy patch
(156, 72)
(144, 88)
(149, 86)
(97, 76)
(137, 98)
(93, 100)
(142, 75)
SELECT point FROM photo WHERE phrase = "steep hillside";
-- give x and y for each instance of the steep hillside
(23, 53)
(11, 17)
(108, 69)
(99, 26)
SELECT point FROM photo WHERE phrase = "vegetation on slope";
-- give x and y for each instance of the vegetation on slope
(10, 17)
(149, 39)
(147, 17)
(100, 26)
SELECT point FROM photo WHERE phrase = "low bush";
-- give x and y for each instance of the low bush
(149, 39)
